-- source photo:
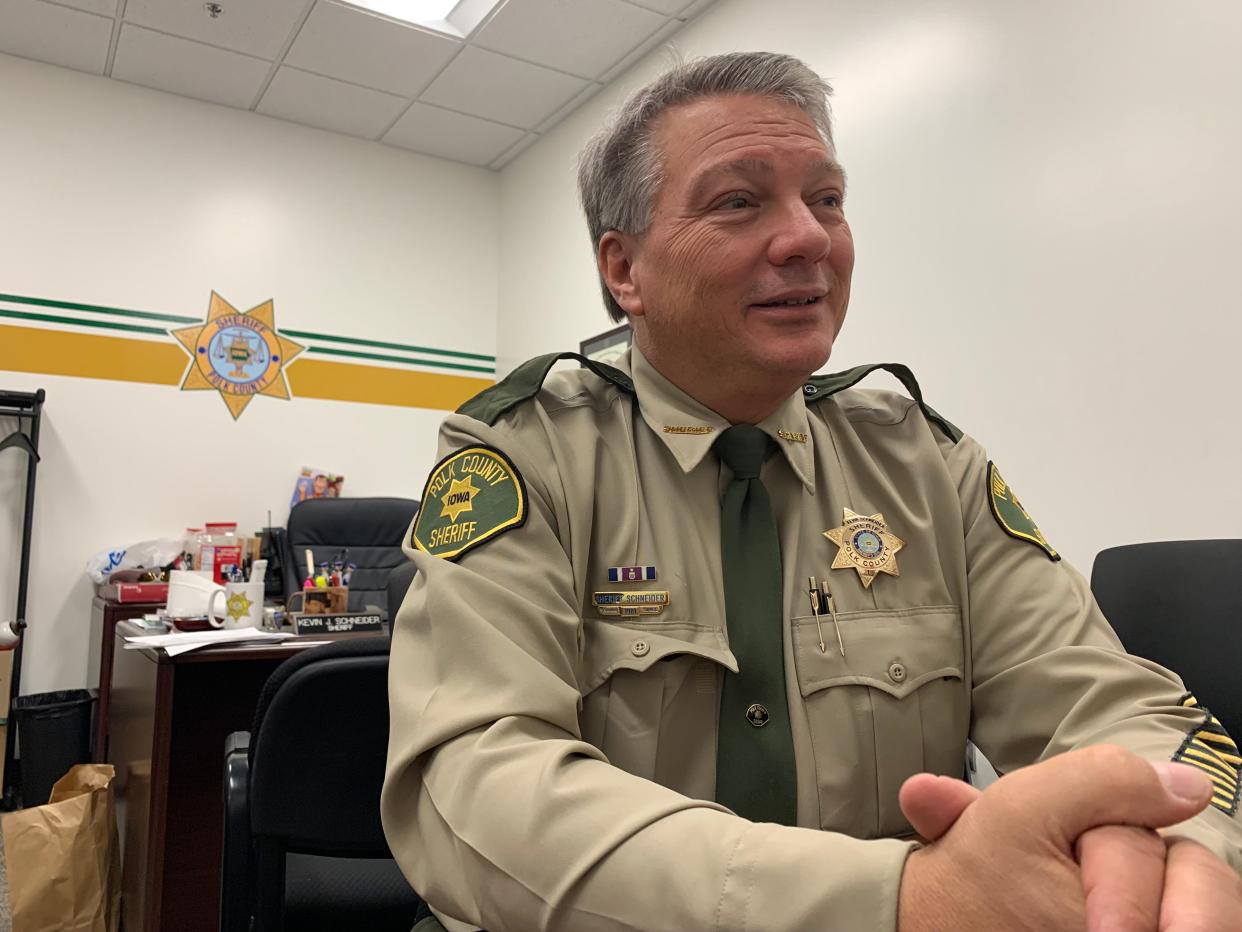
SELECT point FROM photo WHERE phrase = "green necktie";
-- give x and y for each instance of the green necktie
(755, 772)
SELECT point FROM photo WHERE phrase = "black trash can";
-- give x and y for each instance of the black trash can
(53, 734)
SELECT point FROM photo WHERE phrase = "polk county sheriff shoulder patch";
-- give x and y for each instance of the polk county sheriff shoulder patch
(472, 496)
(1011, 516)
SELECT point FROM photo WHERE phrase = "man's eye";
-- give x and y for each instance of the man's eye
(833, 201)
(735, 202)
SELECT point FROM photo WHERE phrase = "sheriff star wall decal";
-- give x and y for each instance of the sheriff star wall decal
(240, 355)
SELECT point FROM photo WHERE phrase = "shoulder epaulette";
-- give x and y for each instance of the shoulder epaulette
(525, 381)
(822, 386)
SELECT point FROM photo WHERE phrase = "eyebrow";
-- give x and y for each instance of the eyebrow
(828, 166)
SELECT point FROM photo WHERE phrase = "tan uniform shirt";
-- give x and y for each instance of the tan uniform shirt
(551, 767)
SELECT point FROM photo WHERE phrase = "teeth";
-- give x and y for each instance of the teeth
(792, 302)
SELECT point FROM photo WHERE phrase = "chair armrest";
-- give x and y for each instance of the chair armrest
(236, 899)
(237, 741)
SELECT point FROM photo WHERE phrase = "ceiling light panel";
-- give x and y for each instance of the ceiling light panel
(430, 14)
(411, 11)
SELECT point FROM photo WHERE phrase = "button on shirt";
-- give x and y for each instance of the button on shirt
(524, 720)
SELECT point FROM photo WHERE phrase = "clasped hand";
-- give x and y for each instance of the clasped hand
(1066, 844)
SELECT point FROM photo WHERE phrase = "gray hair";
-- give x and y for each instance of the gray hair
(619, 170)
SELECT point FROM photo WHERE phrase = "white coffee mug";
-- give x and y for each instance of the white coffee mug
(188, 593)
(243, 606)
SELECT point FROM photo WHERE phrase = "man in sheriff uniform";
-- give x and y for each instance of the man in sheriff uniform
(686, 629)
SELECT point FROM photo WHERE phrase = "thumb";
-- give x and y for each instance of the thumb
(931, 804)
(1105, 785)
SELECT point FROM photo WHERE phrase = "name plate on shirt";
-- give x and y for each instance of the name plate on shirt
(340, 623)
(629, 604)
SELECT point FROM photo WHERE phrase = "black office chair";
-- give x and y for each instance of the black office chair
(303, 845)
(371, 529)
(1179, 603)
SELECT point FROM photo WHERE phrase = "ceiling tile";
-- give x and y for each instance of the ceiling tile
(353, 45)
(318, 101)
(694, 9)
(513, 152)
(577, 101)
(503, 89)
(54, 34)
(102, 7)
(661, 36)
(259, 29)
(583, 37)
(451, 135)
(667, 7)
(192, 69)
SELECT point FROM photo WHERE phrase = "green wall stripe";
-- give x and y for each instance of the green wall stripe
(68, 306)
(177, 319)
(307, 335)
(331, 351)
(83, 322)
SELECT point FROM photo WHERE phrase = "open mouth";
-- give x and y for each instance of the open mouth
(791, 302)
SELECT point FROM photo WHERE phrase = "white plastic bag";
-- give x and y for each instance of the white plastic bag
(146, 554)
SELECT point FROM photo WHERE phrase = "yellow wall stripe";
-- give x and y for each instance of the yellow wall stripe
(347, 381)
(95, 356)
(91, 356)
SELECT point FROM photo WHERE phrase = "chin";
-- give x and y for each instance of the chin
(795, 359)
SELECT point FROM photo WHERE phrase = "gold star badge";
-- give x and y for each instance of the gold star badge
(239, 355)
(867, 545)
(238, 606)
(459, 498)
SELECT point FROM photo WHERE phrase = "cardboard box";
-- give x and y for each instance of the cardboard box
(6, 682)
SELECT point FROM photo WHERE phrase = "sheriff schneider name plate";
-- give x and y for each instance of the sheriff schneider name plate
(336, 624)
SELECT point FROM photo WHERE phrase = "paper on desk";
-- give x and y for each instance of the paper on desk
(182, 641)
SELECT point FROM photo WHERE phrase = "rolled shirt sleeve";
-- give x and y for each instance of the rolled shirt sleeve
(1049, 673)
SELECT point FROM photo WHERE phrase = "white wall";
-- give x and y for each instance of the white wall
(115, 195)
(1047, 211)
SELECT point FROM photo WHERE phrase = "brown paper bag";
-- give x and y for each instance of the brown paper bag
(63, 859)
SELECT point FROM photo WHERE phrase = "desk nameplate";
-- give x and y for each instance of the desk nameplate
(339, 623)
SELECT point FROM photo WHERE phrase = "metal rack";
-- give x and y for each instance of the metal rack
(27, 407)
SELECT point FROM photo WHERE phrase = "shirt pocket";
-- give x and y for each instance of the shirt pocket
(650, 698)
(894, 706)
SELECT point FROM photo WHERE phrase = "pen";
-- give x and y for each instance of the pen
(832, 610)
(813, 592)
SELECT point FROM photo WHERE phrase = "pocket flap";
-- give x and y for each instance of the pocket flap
(894, 651)
(612, 646)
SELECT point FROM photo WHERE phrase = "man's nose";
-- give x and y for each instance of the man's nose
(799, 235)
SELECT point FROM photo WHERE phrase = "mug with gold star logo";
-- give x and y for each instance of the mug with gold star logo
(242, 606)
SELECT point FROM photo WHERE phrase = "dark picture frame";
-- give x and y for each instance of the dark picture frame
(607, 346)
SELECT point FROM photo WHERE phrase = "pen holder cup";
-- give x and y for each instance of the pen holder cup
(330, 601)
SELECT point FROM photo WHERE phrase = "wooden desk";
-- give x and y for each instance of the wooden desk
(105, 614)
(169, 718)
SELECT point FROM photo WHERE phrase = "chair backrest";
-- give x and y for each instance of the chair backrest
(372, 529)
(317, 751)
(1179, 603)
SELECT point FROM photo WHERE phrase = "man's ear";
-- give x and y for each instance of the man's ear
(615, 257)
